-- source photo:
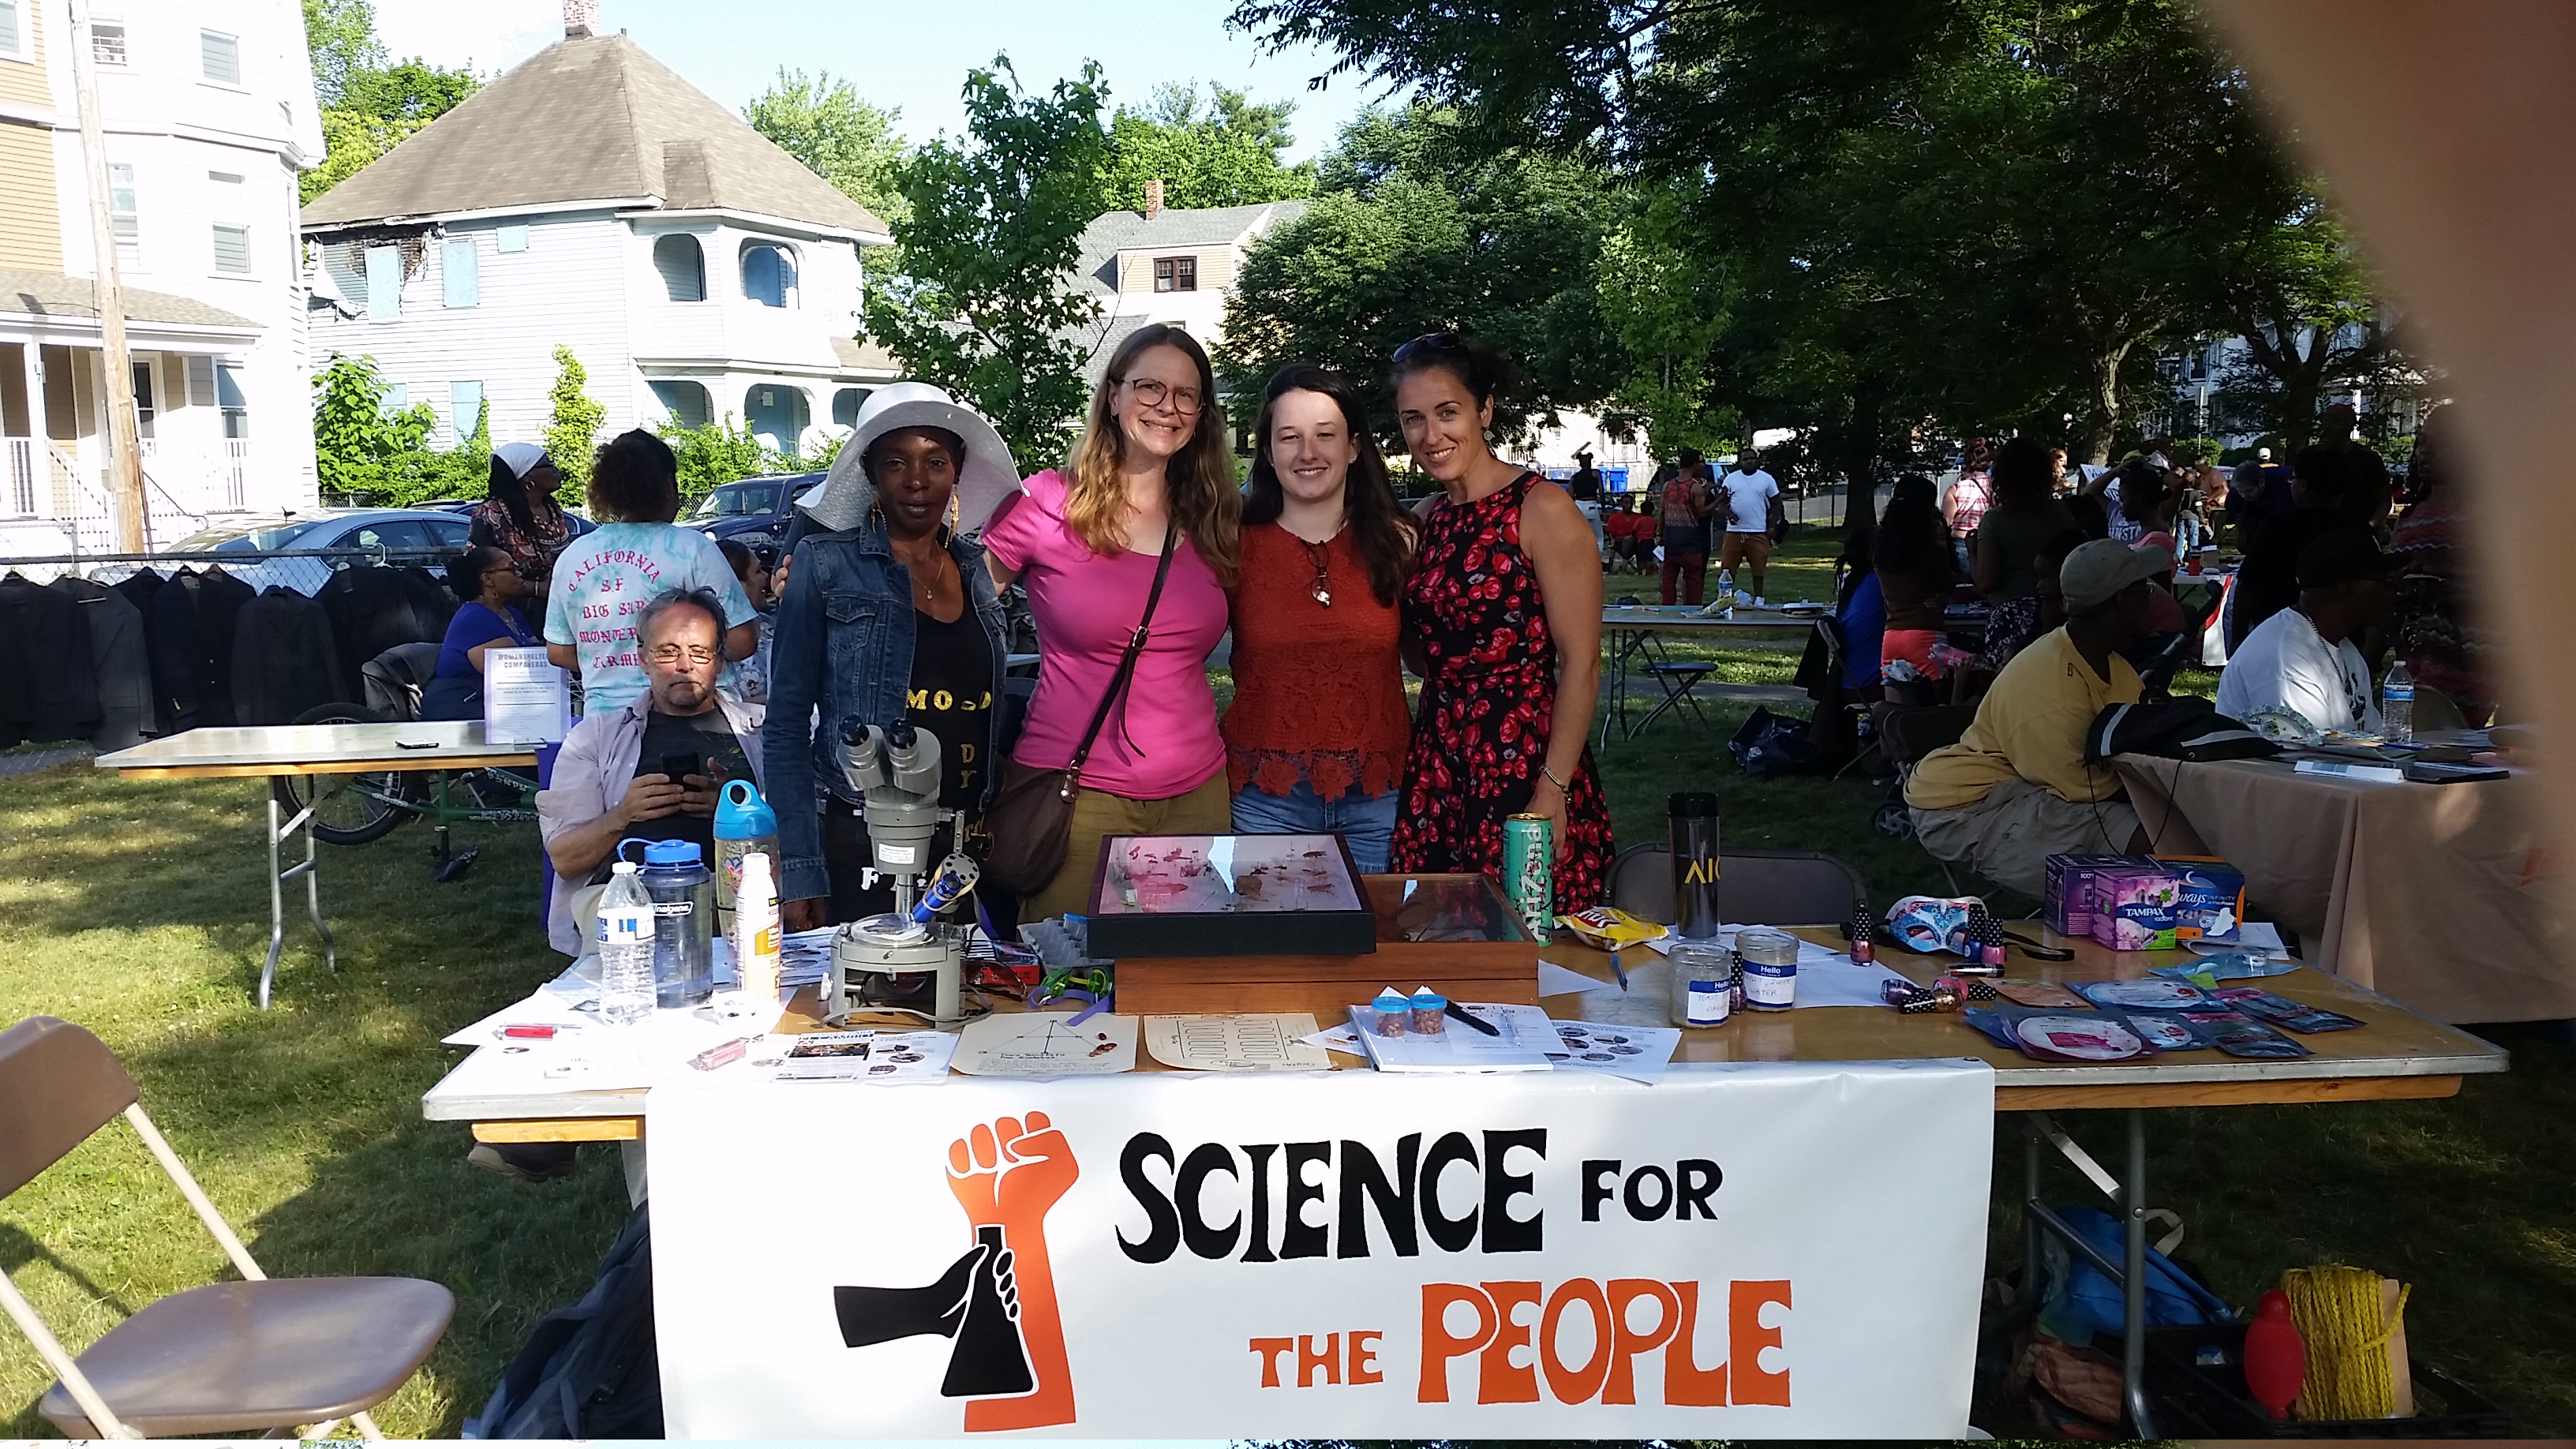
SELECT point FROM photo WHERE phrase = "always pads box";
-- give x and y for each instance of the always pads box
(2212, 904)
(2066, 893)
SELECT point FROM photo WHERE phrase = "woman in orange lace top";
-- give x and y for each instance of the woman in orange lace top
(1316, 736)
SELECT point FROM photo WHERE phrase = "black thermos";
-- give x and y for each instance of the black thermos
(1694, 837)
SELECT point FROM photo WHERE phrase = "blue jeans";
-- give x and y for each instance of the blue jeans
(1365, 822)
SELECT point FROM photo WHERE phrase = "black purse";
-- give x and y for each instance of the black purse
(1030, 822)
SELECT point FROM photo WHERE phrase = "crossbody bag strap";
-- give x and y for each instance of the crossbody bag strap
(1126, 664)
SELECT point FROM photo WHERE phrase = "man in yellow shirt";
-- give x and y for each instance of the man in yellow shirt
(2015, 789)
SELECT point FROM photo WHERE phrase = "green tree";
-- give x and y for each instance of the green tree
(1954, 212)
(368, 106)
(340, 36)
(1412, 234)
(573, 423)
(986, 308)
(821, 121)
(1225, 154)
(714, 454)
(1665, 298)
(366, 453)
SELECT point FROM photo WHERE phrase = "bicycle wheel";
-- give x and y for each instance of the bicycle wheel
(347, 809)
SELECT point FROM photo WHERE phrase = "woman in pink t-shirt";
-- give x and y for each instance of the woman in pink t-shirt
(1085, 541)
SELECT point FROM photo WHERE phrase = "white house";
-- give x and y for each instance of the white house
(591, 197)
(1170, 266)
(208, 113)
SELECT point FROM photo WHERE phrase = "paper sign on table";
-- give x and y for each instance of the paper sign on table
(888, 1056)
(1046, 1044)
(1555, 980)
(1250, 1042)
(1639, 1053)
(1344, 1038)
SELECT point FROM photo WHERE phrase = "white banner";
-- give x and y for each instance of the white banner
(1773, 1250)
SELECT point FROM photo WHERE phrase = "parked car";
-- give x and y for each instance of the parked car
(404, 535)
(464, 508)
(754, 511)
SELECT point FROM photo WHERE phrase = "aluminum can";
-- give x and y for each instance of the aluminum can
(1529, 872)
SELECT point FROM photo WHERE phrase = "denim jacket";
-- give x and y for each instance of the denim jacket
(843, 644)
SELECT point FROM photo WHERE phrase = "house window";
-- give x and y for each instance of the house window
(683, 267)
(511, 238)
(397, 399)
(201, 382)
(686, 402)
(846, 404)
(13, 30)
(143, 402)
(224, 178)
(232, 249)
(1176, 274)
(776, 415)
(219, 57)
(460, 274)
(107, 41)
(465, 408)
(236, 405)
(122, 215)
(384, 284)
(768, 274)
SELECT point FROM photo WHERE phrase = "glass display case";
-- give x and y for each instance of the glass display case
(1228, 895)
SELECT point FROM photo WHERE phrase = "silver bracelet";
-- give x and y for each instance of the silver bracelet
(1551, 778)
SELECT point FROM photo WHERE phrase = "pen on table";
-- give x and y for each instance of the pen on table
(1618, 970)
(1479, 1023)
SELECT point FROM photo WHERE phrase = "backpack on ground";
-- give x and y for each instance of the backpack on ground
(588, 1371)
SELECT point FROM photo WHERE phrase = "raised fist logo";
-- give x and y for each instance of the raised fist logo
(997, 1301)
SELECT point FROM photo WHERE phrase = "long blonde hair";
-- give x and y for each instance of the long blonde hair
(1199, 479)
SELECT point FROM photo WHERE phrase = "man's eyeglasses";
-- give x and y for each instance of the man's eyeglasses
(1429, 343)
(670, 654)
(1153, 392)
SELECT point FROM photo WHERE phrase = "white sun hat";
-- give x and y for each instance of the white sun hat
(985, 476)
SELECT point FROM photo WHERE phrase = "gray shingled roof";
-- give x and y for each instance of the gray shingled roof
(588, 119)
(56, 294)
(1112, 232)
(859, 354)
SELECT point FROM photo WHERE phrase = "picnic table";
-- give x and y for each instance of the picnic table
(1631, 643)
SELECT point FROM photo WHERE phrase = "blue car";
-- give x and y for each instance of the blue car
(753, 512)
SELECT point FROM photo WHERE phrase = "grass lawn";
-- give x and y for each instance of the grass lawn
(135, 910)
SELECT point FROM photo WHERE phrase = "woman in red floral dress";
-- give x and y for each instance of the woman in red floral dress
(1503, 622)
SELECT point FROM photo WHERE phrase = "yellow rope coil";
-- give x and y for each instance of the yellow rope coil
(2337, 1311)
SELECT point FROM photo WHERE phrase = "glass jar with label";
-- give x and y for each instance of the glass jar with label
(1770, 967)
(1703, 984)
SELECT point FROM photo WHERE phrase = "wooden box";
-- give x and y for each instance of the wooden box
(1226, 895)
(1486, 958)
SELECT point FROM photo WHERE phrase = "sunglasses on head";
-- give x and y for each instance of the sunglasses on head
(1428, 343)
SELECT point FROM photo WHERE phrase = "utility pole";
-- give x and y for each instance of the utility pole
(124, 446)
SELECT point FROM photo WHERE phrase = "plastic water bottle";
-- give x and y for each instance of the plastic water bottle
(755, 940)
(625, 947)
(744, 823)
(2397, 705)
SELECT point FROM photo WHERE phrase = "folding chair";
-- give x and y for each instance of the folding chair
(1754, 887)
(229, 1358)
(1677, 678)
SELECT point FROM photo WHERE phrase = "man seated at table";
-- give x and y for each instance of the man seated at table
(2304, 658)
(608, 782)
(2015, 789)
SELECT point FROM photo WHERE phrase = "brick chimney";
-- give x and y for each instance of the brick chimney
(581, 19)
(1153, 188)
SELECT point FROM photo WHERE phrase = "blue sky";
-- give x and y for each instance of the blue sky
(905, 54)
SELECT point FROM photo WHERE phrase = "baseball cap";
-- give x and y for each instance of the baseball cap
(2265, 454)
(2103, 567)
(2342, 556)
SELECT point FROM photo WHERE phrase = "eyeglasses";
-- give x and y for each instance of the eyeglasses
(670, 654)
(1153, 392)
(1430, 342)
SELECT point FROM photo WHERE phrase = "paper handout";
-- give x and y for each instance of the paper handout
(1046, 1044)
(1251, 1042)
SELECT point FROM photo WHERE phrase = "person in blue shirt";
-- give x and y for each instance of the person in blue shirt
(488, 580)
